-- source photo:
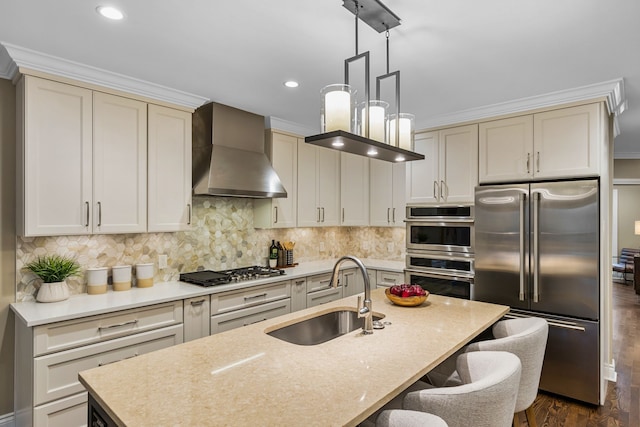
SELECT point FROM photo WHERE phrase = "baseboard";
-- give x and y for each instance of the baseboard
(609, 372)
(7, 420)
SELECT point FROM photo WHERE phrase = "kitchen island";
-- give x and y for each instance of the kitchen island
(246, 377)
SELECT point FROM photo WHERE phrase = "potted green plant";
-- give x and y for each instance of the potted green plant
(53, 270)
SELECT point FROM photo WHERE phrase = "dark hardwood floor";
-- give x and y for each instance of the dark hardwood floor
(622, 405)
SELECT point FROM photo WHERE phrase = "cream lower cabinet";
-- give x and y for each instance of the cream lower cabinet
(352, 282)
(318, 186)
(230, 310)
(298, 294)
(197, 317)
(320, 291)
(169, 170)
(280, 212)
(387, 193)
(560, 143)
(387, 279)
(449, 172)
(49, 357)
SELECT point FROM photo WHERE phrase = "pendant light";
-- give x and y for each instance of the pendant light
(366, 129)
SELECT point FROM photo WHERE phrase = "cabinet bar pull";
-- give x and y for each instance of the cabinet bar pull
(435, 190)
(99, 214)
(443, 197)
(257, 321)
(528, 162)
(393, 215)
(275, 214)
(342, 214)
(87, 206)
(537, 161)
(255, 296)
(198, 302)
(318, 212)
(189, 220)
(388, 220)
(300, 282)
(118, 325)
(322, 214)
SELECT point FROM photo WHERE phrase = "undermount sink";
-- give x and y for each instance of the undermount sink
(322, 328)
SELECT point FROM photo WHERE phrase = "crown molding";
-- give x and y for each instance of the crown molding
(287, 126)
(42, 62)
(612, 91)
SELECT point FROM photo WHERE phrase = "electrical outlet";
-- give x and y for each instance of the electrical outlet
(162, 261)
(321, 246)
(390, 247)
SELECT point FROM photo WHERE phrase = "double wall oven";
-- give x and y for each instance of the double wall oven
(440, 242)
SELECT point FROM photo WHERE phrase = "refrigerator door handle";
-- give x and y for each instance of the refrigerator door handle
(535, 258)
(522, 245)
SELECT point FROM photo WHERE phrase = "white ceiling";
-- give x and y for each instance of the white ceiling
(453, 55)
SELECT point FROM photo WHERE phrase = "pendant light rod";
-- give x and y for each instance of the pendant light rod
(387, 35)
(357, 14)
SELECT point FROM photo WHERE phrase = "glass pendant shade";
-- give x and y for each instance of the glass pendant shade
(377, 119)
(338, 105)
(406, 131)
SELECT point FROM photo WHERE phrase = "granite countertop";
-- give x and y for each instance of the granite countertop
(246, 377)
(34, 314)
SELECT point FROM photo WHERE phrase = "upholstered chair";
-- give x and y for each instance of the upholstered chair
(404, 418)
(524, 337)
(486, 397)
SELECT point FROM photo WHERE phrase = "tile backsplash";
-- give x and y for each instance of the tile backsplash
(222, 236)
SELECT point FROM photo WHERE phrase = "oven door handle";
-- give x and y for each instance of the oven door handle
(452, 276)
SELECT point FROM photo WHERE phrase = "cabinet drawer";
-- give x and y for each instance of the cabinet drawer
(231, 301)
(319, 282)
(248, 316)
(321, 297)
(56, 375)
(389, 278)
(74, 333)
(68, 412)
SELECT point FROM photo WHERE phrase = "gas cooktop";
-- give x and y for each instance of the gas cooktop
(213, 278)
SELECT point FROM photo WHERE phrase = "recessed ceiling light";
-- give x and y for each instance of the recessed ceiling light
(110, 12)
(291, 83)
(338, 143)
(372, 152)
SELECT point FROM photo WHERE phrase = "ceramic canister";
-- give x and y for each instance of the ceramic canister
(121, 275)
(97, 280)
(144, 275)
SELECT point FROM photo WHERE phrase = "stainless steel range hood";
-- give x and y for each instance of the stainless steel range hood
(228, 154)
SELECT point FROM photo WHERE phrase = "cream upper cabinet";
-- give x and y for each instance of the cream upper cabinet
(506, 149)
(354, 190)
(387, 190)
(565, 142)
(119, 164)
(449, 172)
(169, 162)
(280, 212)
(318, 186)
(559, 143)
(54, 158)
(81, 161)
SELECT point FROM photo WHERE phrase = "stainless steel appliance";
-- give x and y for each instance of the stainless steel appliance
(537, 250)
(440, 242)
(442, 273)
(213, 278)
(440, 228)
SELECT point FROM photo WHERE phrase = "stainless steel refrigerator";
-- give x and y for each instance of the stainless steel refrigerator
(537, 250)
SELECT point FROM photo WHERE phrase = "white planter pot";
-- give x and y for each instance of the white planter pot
(52, 292)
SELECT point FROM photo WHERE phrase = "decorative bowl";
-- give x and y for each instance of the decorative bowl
(407, 301)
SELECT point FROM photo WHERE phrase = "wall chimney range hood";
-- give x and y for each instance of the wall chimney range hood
(228, 154)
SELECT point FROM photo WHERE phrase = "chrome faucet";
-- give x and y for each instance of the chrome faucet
(365, 310)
